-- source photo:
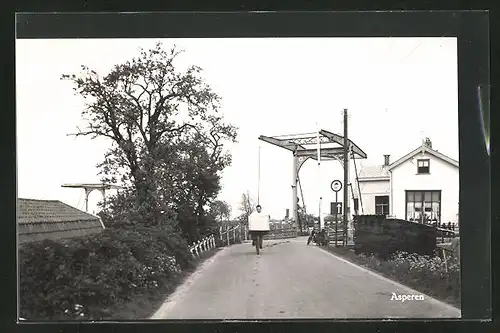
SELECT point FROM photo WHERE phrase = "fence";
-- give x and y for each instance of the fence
(331, 234)
(445, 236)
(203, 245)
(229, 235)
(281, 233)
(236, 234)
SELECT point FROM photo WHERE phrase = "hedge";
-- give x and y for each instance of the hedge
(86, 277)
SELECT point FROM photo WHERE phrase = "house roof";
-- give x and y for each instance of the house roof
(423, 149)
(53, 219)
(376, 172)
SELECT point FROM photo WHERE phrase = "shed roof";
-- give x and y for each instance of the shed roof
(373, 172)
(53, 219)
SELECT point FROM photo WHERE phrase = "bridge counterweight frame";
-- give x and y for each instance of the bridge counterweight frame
(297, 144)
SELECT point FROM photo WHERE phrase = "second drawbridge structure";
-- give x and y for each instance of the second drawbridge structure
(321, 145)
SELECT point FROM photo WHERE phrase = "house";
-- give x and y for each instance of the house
(421, 186)
(53, 219)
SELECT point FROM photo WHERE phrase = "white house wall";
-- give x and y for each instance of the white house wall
(369, 190)
(443, 176)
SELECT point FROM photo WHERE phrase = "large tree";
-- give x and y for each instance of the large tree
(166, 131)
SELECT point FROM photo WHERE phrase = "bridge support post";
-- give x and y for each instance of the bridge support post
(294, 188)
(87, 193)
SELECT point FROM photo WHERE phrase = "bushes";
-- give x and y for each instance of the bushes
(82, 278)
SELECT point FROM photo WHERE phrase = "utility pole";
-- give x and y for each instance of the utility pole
(346, 176)
(258, 180)
(319, 178)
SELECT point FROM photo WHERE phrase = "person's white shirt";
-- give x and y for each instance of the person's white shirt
(258, 221)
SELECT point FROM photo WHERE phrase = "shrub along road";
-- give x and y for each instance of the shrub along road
(292, 280)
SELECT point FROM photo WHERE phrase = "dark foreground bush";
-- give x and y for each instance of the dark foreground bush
(85, 277)
(426, 274)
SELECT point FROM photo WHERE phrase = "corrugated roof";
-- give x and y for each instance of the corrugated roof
(375, 171)
(53, 219)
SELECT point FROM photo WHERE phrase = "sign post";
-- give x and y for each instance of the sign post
(336, 187)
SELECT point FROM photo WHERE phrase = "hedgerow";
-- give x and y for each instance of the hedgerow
(86, 277)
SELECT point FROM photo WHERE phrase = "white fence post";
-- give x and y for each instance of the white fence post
(227, 235)
(220, 234)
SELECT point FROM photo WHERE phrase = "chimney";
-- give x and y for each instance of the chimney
(386, 160)
(428, 143)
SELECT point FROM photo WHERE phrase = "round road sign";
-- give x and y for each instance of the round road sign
(336, 185)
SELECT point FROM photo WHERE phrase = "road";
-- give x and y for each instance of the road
(292, 280)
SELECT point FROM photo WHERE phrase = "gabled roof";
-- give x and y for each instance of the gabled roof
(53, 219)
(420, 150)
(377, 172)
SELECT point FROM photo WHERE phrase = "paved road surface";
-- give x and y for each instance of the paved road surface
(291, 280)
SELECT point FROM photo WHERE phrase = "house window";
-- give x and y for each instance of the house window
(423, 206)
(382, 205)
(423, 166)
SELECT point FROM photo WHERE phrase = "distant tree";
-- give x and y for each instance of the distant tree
(329, 218)
(167, 134)
(246, 207)
(305, 218)
(220, 210)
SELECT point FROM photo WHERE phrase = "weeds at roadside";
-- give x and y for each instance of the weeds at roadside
(429, 275)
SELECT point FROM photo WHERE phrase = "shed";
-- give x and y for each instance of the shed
(52, 219)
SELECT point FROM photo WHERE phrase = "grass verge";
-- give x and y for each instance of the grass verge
(424, 274)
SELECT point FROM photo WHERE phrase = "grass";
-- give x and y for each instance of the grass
(416, 272)
(145, 305)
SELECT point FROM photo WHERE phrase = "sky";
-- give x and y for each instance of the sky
(396, 90)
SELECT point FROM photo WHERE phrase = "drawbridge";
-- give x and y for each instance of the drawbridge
(320, 146)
